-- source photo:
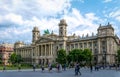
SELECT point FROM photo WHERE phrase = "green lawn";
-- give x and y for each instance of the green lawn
(15, 67)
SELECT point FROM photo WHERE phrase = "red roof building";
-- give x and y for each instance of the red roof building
(5, 51)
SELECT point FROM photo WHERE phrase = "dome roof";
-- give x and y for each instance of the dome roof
(35, 29)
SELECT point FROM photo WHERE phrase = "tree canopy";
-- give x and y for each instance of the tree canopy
(61, 56)
(79, 55)
(118, 55)
(0, 58)
(14, 58)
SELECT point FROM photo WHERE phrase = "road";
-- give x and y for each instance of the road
(54, 73)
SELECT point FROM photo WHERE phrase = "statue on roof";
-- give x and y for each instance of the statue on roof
(46, 32)
(92, 34)
(87, 35)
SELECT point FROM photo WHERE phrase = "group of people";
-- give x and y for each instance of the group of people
(77, 69)
(59, 67)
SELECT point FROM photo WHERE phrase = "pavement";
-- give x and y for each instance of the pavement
(68, 73)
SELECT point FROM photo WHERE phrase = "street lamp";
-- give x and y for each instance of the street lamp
(104, 59)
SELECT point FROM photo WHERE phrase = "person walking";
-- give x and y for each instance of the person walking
(34, 67)
(76, 70)
(4, 68)
(42, 67)
(19, 67)
(91, 67)
(50, 67)
(60, 67)
(64, 67)
(78, 66)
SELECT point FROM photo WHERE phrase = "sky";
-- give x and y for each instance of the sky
(18, 17)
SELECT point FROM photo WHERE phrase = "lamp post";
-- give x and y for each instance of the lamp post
(104, 59)
(116, 61)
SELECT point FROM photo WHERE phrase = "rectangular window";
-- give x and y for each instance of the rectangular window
(85, 45)
(90, 44)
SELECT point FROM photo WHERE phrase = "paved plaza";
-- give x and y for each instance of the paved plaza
(54, 73)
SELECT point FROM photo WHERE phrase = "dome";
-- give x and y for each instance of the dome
(63, 22)
(35, 29)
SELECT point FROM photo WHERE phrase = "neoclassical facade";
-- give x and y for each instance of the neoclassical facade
(44, 48)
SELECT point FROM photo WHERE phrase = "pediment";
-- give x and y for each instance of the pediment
(44, 39)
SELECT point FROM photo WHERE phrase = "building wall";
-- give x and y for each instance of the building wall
(6, 50)
(104, 45)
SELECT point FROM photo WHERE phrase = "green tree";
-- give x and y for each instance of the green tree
(0, 58)
(87, 53)
(61, 56)
(19, 59)
(75, 56)
(118, 55)
(14, 58)
(79, 55)
(69, 58)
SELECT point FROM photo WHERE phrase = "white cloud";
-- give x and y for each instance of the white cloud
(44, 14)
(53, 6)
(39, 8)
(14, 18)
(79, 24)
(118, 18)
(115, 14)
(106, 1)
(81, 1)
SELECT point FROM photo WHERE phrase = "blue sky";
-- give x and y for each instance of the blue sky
(18, 17)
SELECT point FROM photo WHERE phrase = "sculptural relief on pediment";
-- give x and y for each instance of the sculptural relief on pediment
(41, 40)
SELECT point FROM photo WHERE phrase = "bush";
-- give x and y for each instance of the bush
(54, 65)
(26, 65)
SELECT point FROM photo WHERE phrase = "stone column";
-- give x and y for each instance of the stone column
(38, 50)
(108, 50)
(70, 47)
(24, 53)
(108, 45)
(99, 48)
(49, 50)
(41, 50)
(45, 50)
(74, 46)
(78, 46)
(92, 48)
(99, 51)
(82, 45)
(87, 44)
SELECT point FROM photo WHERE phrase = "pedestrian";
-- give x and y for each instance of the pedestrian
(60, 67)
(116, 67)
(4, 68)
(78, 67)
(34, 67)
(97, 67)
(49, 67)
(42, 67)
(19, 67)
(76, 70)
(64, 67)
(91, 67)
